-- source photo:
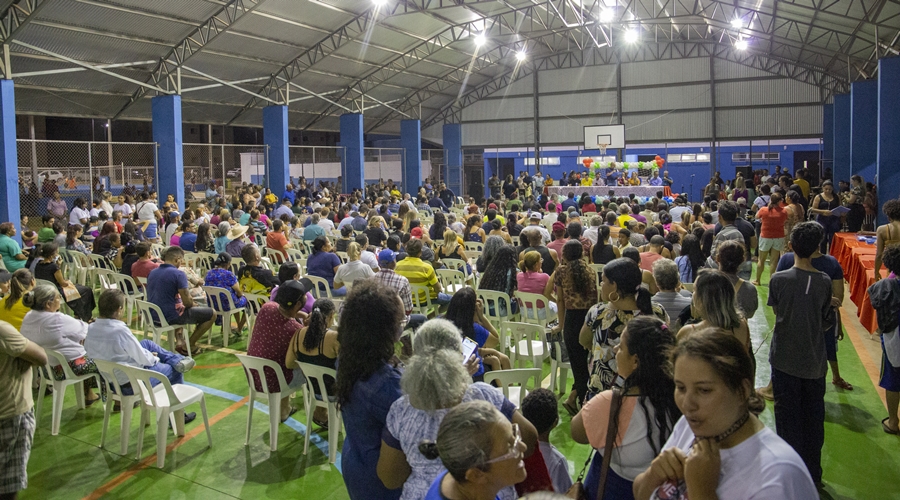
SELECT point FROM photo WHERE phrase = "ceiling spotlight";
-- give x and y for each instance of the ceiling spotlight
(632, 36)
(480, 40)
(521, 55)
(741, 44)
(607, 15)
(737, 23)
(379, 3)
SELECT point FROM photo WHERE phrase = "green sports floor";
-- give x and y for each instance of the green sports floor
(860, 461)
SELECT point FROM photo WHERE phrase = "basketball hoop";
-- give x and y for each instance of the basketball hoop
(602, 147)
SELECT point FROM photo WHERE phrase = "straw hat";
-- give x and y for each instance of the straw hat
(236, 232)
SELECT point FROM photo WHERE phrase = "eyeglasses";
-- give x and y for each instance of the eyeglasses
(514, 451)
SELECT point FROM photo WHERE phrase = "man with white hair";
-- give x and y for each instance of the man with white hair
(535, 223)
(669, 296)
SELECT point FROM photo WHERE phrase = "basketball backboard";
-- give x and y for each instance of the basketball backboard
(611, 135)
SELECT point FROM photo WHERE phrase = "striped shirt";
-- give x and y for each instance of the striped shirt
(418, 272)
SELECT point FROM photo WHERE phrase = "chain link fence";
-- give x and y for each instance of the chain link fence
(53, 174)
(438, 164)
(317, 163)
(226, 165)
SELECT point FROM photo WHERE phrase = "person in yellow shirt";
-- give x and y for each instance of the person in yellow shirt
(634, 180)
(270, 197)
(16, 284)
(802, 182)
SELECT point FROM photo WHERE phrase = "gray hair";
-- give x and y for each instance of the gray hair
(41, 295)
(315, 218)
(624, 209)
(666, 274)
(465, 438)
(596, 221)
(224, 227)
(435, 379)
(451, 218)
(437, 334)
(491, 246)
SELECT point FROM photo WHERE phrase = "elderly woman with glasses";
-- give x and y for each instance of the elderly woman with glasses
(481, 450)
(435, 381)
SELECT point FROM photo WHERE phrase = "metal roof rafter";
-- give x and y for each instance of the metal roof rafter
(167, 72)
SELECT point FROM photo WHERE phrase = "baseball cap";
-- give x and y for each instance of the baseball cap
(493, 205)
(535, 216)
(386, 256)
(558, 226)
(290, 293)
(416, 232)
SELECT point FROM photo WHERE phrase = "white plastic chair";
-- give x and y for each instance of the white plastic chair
(562, 367)
(276, 257)
(526, 343)
(421, 300)
(320, 287)
(474, 246)
(59, 388)
(688, 286)
(220, 300)
(452, 280)
(459, 265)
(324, 400)
(256, 365)
(494, 302)
(126, 403)
(531, 311)
(518, 378)
(254, 304)
(165, 399)
(236, 264)
(343, 256)
(598, 269)
(155, 322)
(131, 290)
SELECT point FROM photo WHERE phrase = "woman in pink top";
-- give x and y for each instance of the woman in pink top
(532, 280)
(771, 234)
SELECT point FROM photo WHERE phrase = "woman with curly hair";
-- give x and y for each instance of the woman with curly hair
(500, 276)
(576, 292)
(888, 234)
(368, 382)
(646, 414)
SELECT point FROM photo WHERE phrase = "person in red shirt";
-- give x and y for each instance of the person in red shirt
(145, 262)
(771, 234)
(275, 239)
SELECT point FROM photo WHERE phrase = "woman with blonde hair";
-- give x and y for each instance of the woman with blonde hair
(451, 249)
(353, 270)
(713, 301)
(375, 231)
(740, 190)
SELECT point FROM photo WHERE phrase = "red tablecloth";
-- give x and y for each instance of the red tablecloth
(857, 258)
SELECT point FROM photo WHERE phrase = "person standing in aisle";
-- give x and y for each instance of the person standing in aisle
(801, 300)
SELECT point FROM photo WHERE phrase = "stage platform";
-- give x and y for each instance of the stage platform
(639, 191)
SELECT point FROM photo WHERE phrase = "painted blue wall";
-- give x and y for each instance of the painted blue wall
(864, 128)
(680, 172)
(841, 137)
(888, 132)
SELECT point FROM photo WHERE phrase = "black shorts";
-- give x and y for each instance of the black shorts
(194, 316)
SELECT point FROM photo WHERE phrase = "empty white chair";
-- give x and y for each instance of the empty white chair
(452, 280)
(165, 399)
(459, 265)
(59, 388)
(535, 308)
(126, 403)
(257, 365)
(598, 269)
(518, 378)
(474, 246)
(526, 343)
(323, 400)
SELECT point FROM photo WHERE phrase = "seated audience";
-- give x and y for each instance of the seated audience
(252, 276)
(467, 312)
(12, 310)
(353, 270)
(540, 408)
(324, 264)
(80, 298)
(670, 295)
(316, 344)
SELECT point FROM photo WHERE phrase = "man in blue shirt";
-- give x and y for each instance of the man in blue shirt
(436, 202)
(569, 202)
(188, 236)
(654, 179)
(289, 194)
(165, 285)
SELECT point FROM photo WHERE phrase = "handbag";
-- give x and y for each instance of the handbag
(576, 491)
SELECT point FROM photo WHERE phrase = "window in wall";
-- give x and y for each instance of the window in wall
(688, 158)
(544, 161)
(755, 156)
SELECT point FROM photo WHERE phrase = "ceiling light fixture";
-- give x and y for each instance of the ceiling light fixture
(521, 55)
(632, 36)
(737, 23)
(379, 3)
(607, 15)
(480, 40)
(741, 45)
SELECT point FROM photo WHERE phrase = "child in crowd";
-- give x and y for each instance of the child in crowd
(539, 407)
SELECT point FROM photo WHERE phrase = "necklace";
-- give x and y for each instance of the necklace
(728, 432)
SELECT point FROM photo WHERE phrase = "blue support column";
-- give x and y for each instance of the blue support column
(864, 128)
(411, 141)
(167, 124)
(841, 138)
(11, 210)
(275, 136)
(828, 137)
(354, 161)
(888, 132)
(453, 154)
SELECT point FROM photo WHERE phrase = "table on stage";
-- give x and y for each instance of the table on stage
(857, 258)
(639, 191)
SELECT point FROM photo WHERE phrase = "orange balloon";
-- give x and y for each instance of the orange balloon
(587, 162)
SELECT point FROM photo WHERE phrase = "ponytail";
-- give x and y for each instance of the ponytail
(642, 297)
(429, 450)
(317, 323)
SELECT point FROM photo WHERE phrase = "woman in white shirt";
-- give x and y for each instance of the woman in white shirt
(123, 206)
(353, 270)
(47, 327)
(719, 449)
(79, 214)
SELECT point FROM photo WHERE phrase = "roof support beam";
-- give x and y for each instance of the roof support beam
(17, 16)
(79, 68)
(167, 71)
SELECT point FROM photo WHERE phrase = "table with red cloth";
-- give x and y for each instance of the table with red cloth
(857, 258)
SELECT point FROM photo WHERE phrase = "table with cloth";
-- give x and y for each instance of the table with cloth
(857, 258)
(623, 191)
